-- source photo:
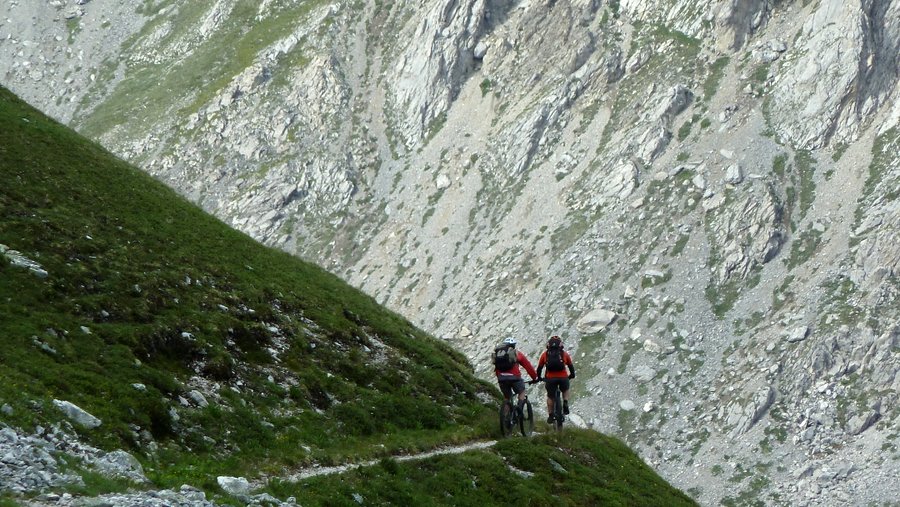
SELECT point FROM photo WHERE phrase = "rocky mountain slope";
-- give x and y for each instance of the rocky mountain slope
(701, 197)
(151, 355)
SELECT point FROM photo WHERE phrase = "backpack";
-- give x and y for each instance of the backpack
(505, 357)
(555, 361)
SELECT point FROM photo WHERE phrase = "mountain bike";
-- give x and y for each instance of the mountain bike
(558, 417)
(510, 417)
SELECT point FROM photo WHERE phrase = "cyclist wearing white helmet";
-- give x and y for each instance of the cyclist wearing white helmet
(506, 367)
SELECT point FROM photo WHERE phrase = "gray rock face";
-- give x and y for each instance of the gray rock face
(30, 463)
(440, 52)
(483, 166)
(742, 417)
(26, 465)
(750, 233)
(839, 75)
(121, 464)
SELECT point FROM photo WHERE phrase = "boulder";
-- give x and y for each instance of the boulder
(626, 405)
(596, 320)
(77, 414)
(121, 464)
(734, 174)
(480, 50)
(234, 485)
(798, 334)
(643, 373)
(198, 398)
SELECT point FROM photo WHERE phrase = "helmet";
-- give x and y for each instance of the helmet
(554, 341)
(510, 341)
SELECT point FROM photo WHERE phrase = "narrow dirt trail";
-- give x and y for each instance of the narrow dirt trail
(315, 470)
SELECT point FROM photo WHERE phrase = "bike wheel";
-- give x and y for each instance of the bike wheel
(505, 419)
(526, 422)
(558, 411)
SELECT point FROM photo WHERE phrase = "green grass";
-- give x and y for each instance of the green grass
(807, 188)
(149, 274)
(486, 86)
(760, 73)
(782, 294)
(6, 501)
(840, 302)
(679, 245)
(435, 126)
(653, 281)
(579, 468)
(590, 345)
(145, 95)
(73, 26)
(716, 73)
(838, 151)
(578, 224)
(803, 248)
(684, 131)
(722, 297)
(628, 350)
(779, 164)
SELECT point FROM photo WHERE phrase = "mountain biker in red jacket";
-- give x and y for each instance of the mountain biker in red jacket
(558, 377)
(510, 380)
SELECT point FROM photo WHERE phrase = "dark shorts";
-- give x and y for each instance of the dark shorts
(563, 384)
(507, 387)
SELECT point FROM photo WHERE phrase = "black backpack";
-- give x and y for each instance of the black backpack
(505, 357)
(555, 361)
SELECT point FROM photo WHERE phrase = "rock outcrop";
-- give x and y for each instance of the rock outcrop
(720, 176)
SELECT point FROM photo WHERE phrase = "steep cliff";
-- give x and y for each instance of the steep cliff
(701, 197)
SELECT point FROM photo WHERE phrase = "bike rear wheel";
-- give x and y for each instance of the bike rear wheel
(506, 426)
(526, 422)
(558, 416)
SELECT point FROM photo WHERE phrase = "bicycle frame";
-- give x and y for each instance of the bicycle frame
(558, 416)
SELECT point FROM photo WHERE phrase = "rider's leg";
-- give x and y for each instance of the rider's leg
(565, 396)
(506, 390)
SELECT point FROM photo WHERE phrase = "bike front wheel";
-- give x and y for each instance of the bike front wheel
(526, 422)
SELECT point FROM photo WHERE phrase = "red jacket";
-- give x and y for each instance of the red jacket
(556, 374)
(514, 372)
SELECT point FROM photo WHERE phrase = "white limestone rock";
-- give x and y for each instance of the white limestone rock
(77, 414)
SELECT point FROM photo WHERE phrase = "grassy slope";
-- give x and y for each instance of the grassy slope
(170, 295)
(578, 467)
(117, 243)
